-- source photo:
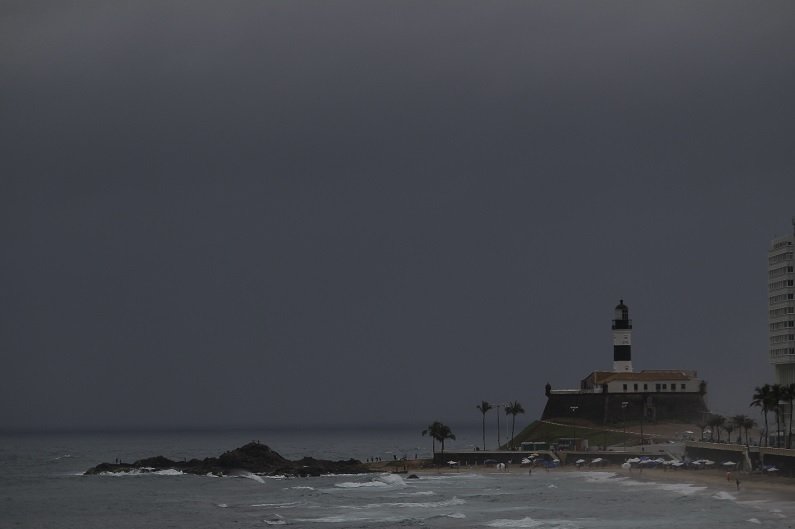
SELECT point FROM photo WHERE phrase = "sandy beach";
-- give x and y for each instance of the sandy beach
(752, 487)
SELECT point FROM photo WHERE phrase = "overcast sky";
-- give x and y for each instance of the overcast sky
(253, 213)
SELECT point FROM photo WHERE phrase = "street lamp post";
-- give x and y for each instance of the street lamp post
(624, 421)
(498, 406)
(574, 426)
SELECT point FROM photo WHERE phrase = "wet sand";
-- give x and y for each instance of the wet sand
(753, 486)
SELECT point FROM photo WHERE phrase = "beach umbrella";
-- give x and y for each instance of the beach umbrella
(772, 469)
(526, 461)
(633, 460)
(729, 464)
(597, 460)
(580, 461)
(626, 466)
(452, 462)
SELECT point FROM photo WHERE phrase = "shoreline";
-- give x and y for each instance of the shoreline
(753, 486)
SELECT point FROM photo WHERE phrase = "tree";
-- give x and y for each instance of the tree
(748, 424)
(445, 433)
(430, 430)
(788, 394)
(513, 408)
(729, 427)
(484, 407)
(716, 422)
(761, 399)
(438, 432)
(776, 395)
(738, 421)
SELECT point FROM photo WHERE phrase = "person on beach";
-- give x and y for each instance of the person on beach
(738, 483)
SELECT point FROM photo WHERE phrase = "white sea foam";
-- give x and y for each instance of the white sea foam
(276, 520)
(685, 489)
(359, 484)
(531, 522)
(301, 488)
(522, 522)
(754, 520)
(284, 505)
(633, 483)
(223, 505)
(353, 517)
(144, 472)
(722, 495)
(384, 480)
(418, 493)
(169, 472)
(417, 505)
(598, 477)
(249, 475)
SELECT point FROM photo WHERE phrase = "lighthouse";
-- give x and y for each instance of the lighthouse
(622, 339)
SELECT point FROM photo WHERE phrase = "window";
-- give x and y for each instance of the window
(673, 387)
(625, 387)
(645, 387)
(665, 386)
(682, 387)
(657, 387)
(636, 387)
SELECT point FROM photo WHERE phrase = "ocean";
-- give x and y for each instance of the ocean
(42, 486)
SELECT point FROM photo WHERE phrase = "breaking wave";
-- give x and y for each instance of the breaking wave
(385, 480)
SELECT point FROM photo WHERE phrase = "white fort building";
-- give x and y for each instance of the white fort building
(611, 396)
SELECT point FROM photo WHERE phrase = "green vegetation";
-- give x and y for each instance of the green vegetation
(484, 406)
(777, 398)
(513, 408)
(596, 435)
(438, 432)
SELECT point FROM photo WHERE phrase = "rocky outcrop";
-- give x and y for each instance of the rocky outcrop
(254, 457)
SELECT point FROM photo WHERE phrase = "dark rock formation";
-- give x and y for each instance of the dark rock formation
(253, 457)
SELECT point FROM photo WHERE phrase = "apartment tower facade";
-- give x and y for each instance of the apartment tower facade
(781, 307)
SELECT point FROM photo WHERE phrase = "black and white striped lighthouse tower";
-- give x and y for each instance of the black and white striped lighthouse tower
(622, 339)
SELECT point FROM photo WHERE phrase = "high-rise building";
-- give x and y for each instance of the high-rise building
(781, 307)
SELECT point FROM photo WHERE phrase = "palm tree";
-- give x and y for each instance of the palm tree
(776, 396)
(438, 432)
(716, 422)
(729, 427)
(788, 394)
(738, 421)
(748, 423)
(431, 430)
(513, 408)
(445, 433)
(761, 399)
(484, 406)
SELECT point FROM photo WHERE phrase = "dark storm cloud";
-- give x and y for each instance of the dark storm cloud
(309, 211)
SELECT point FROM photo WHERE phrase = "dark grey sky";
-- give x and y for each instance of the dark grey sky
(245, 213)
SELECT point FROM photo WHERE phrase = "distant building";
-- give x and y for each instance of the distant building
(658, 381)
(612, 396)
(781, 307)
